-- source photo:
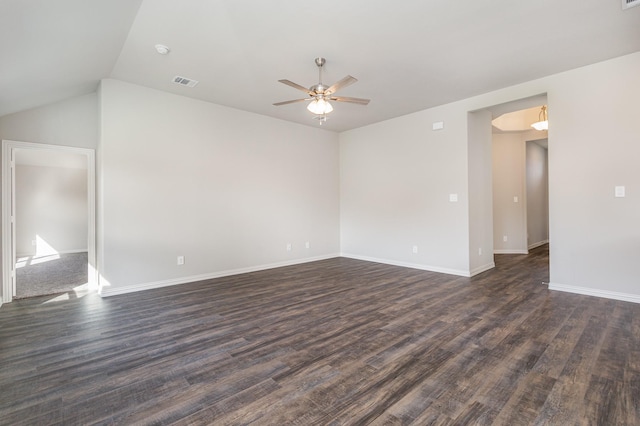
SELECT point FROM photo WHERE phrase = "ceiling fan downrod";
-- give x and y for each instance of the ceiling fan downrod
(319, 88)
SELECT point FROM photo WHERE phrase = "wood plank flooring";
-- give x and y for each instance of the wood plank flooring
(339, 341)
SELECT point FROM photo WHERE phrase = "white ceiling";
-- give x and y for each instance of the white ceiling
(408, 55)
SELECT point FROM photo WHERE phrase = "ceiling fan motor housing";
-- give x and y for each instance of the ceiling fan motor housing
(319, 89)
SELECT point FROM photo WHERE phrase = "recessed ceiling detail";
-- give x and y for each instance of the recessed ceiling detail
(517, 121)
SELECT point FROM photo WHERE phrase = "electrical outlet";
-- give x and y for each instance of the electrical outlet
(180, 260)
(415, 249)
(504, 238)
(307, 245)
(480, 251)
(288, 246)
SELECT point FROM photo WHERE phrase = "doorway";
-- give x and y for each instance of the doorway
(520, 182)
(48, 220)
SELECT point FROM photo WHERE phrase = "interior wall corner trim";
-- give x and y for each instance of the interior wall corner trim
(482, 268)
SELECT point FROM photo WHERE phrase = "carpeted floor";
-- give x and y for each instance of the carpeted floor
(50, 275)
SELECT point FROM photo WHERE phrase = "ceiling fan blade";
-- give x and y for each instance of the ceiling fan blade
(296, 86)
(359, 101)
(348, 80)
(291, 102)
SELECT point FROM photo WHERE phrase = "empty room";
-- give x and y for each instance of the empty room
(241, 212)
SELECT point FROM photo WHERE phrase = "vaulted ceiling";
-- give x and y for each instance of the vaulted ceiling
(407, 55)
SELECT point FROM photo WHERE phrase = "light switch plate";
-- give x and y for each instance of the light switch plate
(453, 198)
(620, 192)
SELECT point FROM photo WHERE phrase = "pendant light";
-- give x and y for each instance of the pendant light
(542, 123)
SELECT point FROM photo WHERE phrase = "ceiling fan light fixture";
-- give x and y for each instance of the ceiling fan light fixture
(319, 106)
(319, 94)
(543, 123)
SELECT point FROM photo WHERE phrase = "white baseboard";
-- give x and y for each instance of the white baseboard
(409, 265)
(483, 268)
(59, 252)
(107, 290)
(538, 244)
(73, 251)
(511, 252)
(625, 297)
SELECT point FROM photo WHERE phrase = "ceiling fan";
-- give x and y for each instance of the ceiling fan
(320, 94)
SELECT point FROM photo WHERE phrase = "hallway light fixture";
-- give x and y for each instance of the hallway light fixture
(542, 123)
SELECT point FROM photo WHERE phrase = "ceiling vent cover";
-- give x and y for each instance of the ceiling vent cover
(626, 4)
(183, 81)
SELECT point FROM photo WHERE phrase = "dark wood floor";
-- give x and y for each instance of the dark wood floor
(339, 341)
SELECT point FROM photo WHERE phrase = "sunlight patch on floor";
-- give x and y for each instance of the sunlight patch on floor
(44, 253)
(77, 293)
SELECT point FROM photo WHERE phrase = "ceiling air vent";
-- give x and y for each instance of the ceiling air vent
(626, 4)
(183, 81)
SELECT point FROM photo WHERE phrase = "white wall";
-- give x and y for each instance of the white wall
(519, 170)
(51, 203)
(537, 195)
(480, 192)
(73, 122)
(225, 188)
(396, 176)
(509, 184)
(595, 237)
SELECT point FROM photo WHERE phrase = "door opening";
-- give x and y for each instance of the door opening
(520, 195)
(48, 220)
(520, 177)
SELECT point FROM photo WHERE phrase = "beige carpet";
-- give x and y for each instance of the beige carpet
(50, 274)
